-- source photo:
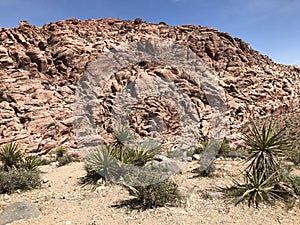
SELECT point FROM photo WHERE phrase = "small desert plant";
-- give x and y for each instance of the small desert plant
(159, 194)
(66, 159)
(140, 154)
(10, 155)
(122, 136)
(292, 180)
(62, 156)
(45, 161)
(111, 161)
(17, 171)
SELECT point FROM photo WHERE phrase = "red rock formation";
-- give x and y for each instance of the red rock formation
(40, 68)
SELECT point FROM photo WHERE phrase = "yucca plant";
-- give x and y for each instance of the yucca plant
(60, 151)
(11, 155)
(140, 154)
(112, 161)
(103, 161)
(123, 135)
(254, 189)
(262, 179)
(31, 163)
(265, 146)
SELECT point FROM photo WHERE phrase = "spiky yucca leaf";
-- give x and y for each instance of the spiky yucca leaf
(103, 162)
(11, 155)
(265, 147)
(140, 154)
(60, 151)
(123, 136)
(31, 163)
(254, 189)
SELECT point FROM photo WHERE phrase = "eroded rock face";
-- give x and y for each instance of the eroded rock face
(41, 67)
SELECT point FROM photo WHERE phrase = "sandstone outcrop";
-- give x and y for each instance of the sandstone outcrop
(40, 69)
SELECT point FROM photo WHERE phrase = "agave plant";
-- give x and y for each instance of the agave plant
(11, 155)
(254, 189)
(265, 146)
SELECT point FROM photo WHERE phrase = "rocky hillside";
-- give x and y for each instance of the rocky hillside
(40, 68)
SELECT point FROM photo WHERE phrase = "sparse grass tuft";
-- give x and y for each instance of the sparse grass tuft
(31, 163)
(60, 151)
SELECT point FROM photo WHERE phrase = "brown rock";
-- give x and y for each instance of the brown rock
(138, 21)
(37, 57)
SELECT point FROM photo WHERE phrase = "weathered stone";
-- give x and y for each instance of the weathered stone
(19, 211)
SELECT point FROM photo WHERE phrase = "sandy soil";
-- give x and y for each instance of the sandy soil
(63, 201)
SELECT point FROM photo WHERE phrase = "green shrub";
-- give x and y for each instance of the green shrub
(66, 159)
(11, 155)
(62, 156)
(152, 190)
(44, 161)
(17, 171)
(292, 180)
(18, 179)
(157, 195)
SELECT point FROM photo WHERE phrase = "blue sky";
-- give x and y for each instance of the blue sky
(270, 26)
